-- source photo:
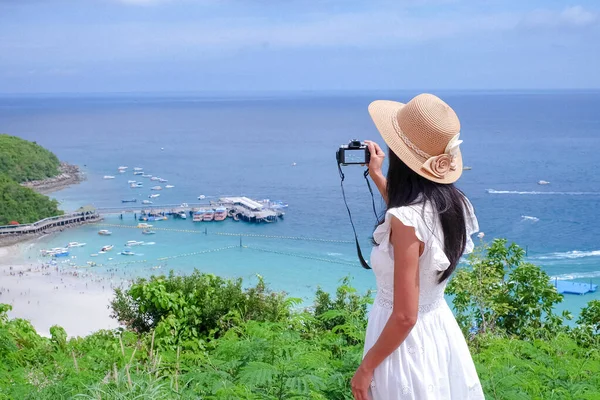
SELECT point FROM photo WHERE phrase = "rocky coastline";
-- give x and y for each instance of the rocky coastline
(68, 175)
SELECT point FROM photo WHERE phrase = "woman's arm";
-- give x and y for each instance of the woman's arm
(406, 297)
(377, 157)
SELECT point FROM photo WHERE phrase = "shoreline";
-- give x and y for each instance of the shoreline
(47, 295)
(69, 175)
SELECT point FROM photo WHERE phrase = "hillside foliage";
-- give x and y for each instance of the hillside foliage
(24, 161)
(23, 205)
(203, 337)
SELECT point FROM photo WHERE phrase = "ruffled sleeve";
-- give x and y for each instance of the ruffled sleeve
(409, 217)
(472, 226)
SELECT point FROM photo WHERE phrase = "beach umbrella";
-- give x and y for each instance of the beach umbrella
(13, 223)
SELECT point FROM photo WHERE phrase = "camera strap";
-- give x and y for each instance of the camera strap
(358, 251)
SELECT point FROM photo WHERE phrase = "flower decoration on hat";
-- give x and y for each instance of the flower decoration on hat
(440, 165)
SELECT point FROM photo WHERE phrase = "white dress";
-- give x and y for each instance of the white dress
(434, 362)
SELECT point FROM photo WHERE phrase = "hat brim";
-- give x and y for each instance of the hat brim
(383, 112)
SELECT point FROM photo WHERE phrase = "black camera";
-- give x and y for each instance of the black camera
(353, 153)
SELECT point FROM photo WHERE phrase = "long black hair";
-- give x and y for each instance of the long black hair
(405, 187)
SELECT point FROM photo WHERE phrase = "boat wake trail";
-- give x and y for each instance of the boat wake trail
(577, 275)
(569, 255)
(537, 193)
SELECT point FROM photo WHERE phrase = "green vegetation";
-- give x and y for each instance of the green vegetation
(204, 337)
(25, 161)
(22, 161)
(24, 205)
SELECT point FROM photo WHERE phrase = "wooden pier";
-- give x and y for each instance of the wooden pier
(83, 215)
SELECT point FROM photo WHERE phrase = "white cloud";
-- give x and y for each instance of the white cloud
(571, 17)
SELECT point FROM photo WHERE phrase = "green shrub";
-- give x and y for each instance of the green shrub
(24, 161)
(24, 205)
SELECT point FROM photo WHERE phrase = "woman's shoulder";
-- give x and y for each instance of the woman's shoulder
(415, 215)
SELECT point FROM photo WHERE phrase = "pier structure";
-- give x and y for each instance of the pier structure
(83, 215)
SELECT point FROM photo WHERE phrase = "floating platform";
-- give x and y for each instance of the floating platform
(569, 287)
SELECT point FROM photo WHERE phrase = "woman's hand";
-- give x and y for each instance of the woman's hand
(361, 382)
(377, 157)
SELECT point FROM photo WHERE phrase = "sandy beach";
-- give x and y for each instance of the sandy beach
(49, 295)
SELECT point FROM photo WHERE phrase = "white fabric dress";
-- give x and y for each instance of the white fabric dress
(434, 362)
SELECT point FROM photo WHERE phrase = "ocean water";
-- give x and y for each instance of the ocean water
(246, 145)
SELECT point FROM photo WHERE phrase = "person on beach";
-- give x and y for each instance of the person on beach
(414, 348)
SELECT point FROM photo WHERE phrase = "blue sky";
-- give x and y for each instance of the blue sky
(253, 45)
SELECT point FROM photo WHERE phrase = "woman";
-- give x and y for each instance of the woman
(414, 348)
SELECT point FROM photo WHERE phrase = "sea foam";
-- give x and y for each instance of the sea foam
(534, 193)
(576, 275)
(569, 255)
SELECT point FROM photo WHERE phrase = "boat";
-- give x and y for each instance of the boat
(198, 216)
(146, 176)
(76, 244)
(61, 253)
(128, 253)
(144, 225)
(133, 243)
(106, 248)
(136, 185)
(122, 167)
(154, 178)
(129, 201)
(156, 188)
(138, 169)
(182, 215)
(122, 171)
(146, 202)
(201, 197)
(153, 196)
(543, 183)
(162, 180)
(109, 177)
(209, 215)
(169, 186)
(148, 232)
(138, 173)
(104, 232)
(220, 213)
(131, 181)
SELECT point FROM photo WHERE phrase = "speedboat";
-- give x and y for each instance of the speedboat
(136, 185)
(75, 244)
(162, 180)
(105, 232)
(107, 248)
(156, 188)
(109, 177)
(122, 167)
(144, 225)
(129, 201)
(133, 243)
(61, 253)
(122, 171)
(138, 173)
(220, 214)
(169, 186)
(201, 197)
(182, 215)
(153, 196)
(148, 232)
(154, 178)
(146, 202)
(146, 176)
(128, 253)
(209, 215)
(138, 169)
(543, 183)
(131, 181)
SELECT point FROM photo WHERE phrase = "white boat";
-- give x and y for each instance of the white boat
(138, 169)
(109, 177)
(136, 185)
(138, 173)
(144, 225)
(543, 183)
(182, 215)
(108, 247)
(133, 243)
(162, 180)
(76, 244)
(122, 167)
(146, 176)
(154, 178)
(122, 171)
(201, 197)
(148, 232)
(156, 188)
(128, 253)
(146, 202)
(169, 186)
(153, 196)
(131, 181)
(104, 232)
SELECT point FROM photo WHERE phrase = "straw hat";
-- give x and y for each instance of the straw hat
(423, 133)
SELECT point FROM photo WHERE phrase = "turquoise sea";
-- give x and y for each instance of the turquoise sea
(219, 145)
